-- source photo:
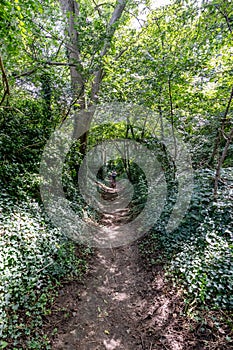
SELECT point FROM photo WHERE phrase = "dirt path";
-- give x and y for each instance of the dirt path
(120, 305)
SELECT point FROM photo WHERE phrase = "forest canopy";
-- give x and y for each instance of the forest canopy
(61, 58)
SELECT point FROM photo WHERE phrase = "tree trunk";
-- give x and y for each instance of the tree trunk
(220, 131)
(6, 87)
(221, 160)
(71, 11)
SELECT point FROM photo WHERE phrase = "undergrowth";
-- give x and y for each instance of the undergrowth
(198, 255)
(34, 258)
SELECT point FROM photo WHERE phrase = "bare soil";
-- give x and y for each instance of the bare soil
(123, 304)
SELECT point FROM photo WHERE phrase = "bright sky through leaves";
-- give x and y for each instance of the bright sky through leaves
(138, 22)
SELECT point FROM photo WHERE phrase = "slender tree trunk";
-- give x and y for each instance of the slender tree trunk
(221, 129)
(161, 114)
(47, 94)
(5, 82)
(172, 115)
(216, 147)
(221, 160)
(224, 152)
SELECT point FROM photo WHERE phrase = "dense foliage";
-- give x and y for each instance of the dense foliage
(198, 254)
(34, 258)
(56, 60)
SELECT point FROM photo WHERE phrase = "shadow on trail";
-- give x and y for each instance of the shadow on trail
(120, 305)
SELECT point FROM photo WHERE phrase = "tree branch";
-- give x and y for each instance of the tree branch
(49, 63)
(29, 72)
(67, 64)
(116, 15)
(226, 18)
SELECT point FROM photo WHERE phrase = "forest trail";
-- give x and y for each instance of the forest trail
(120, 305)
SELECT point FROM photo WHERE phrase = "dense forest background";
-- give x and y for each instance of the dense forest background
(61, 57)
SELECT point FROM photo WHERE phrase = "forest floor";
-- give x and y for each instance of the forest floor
(122, 304)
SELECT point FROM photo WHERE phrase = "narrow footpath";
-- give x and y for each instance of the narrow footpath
(121, 304)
